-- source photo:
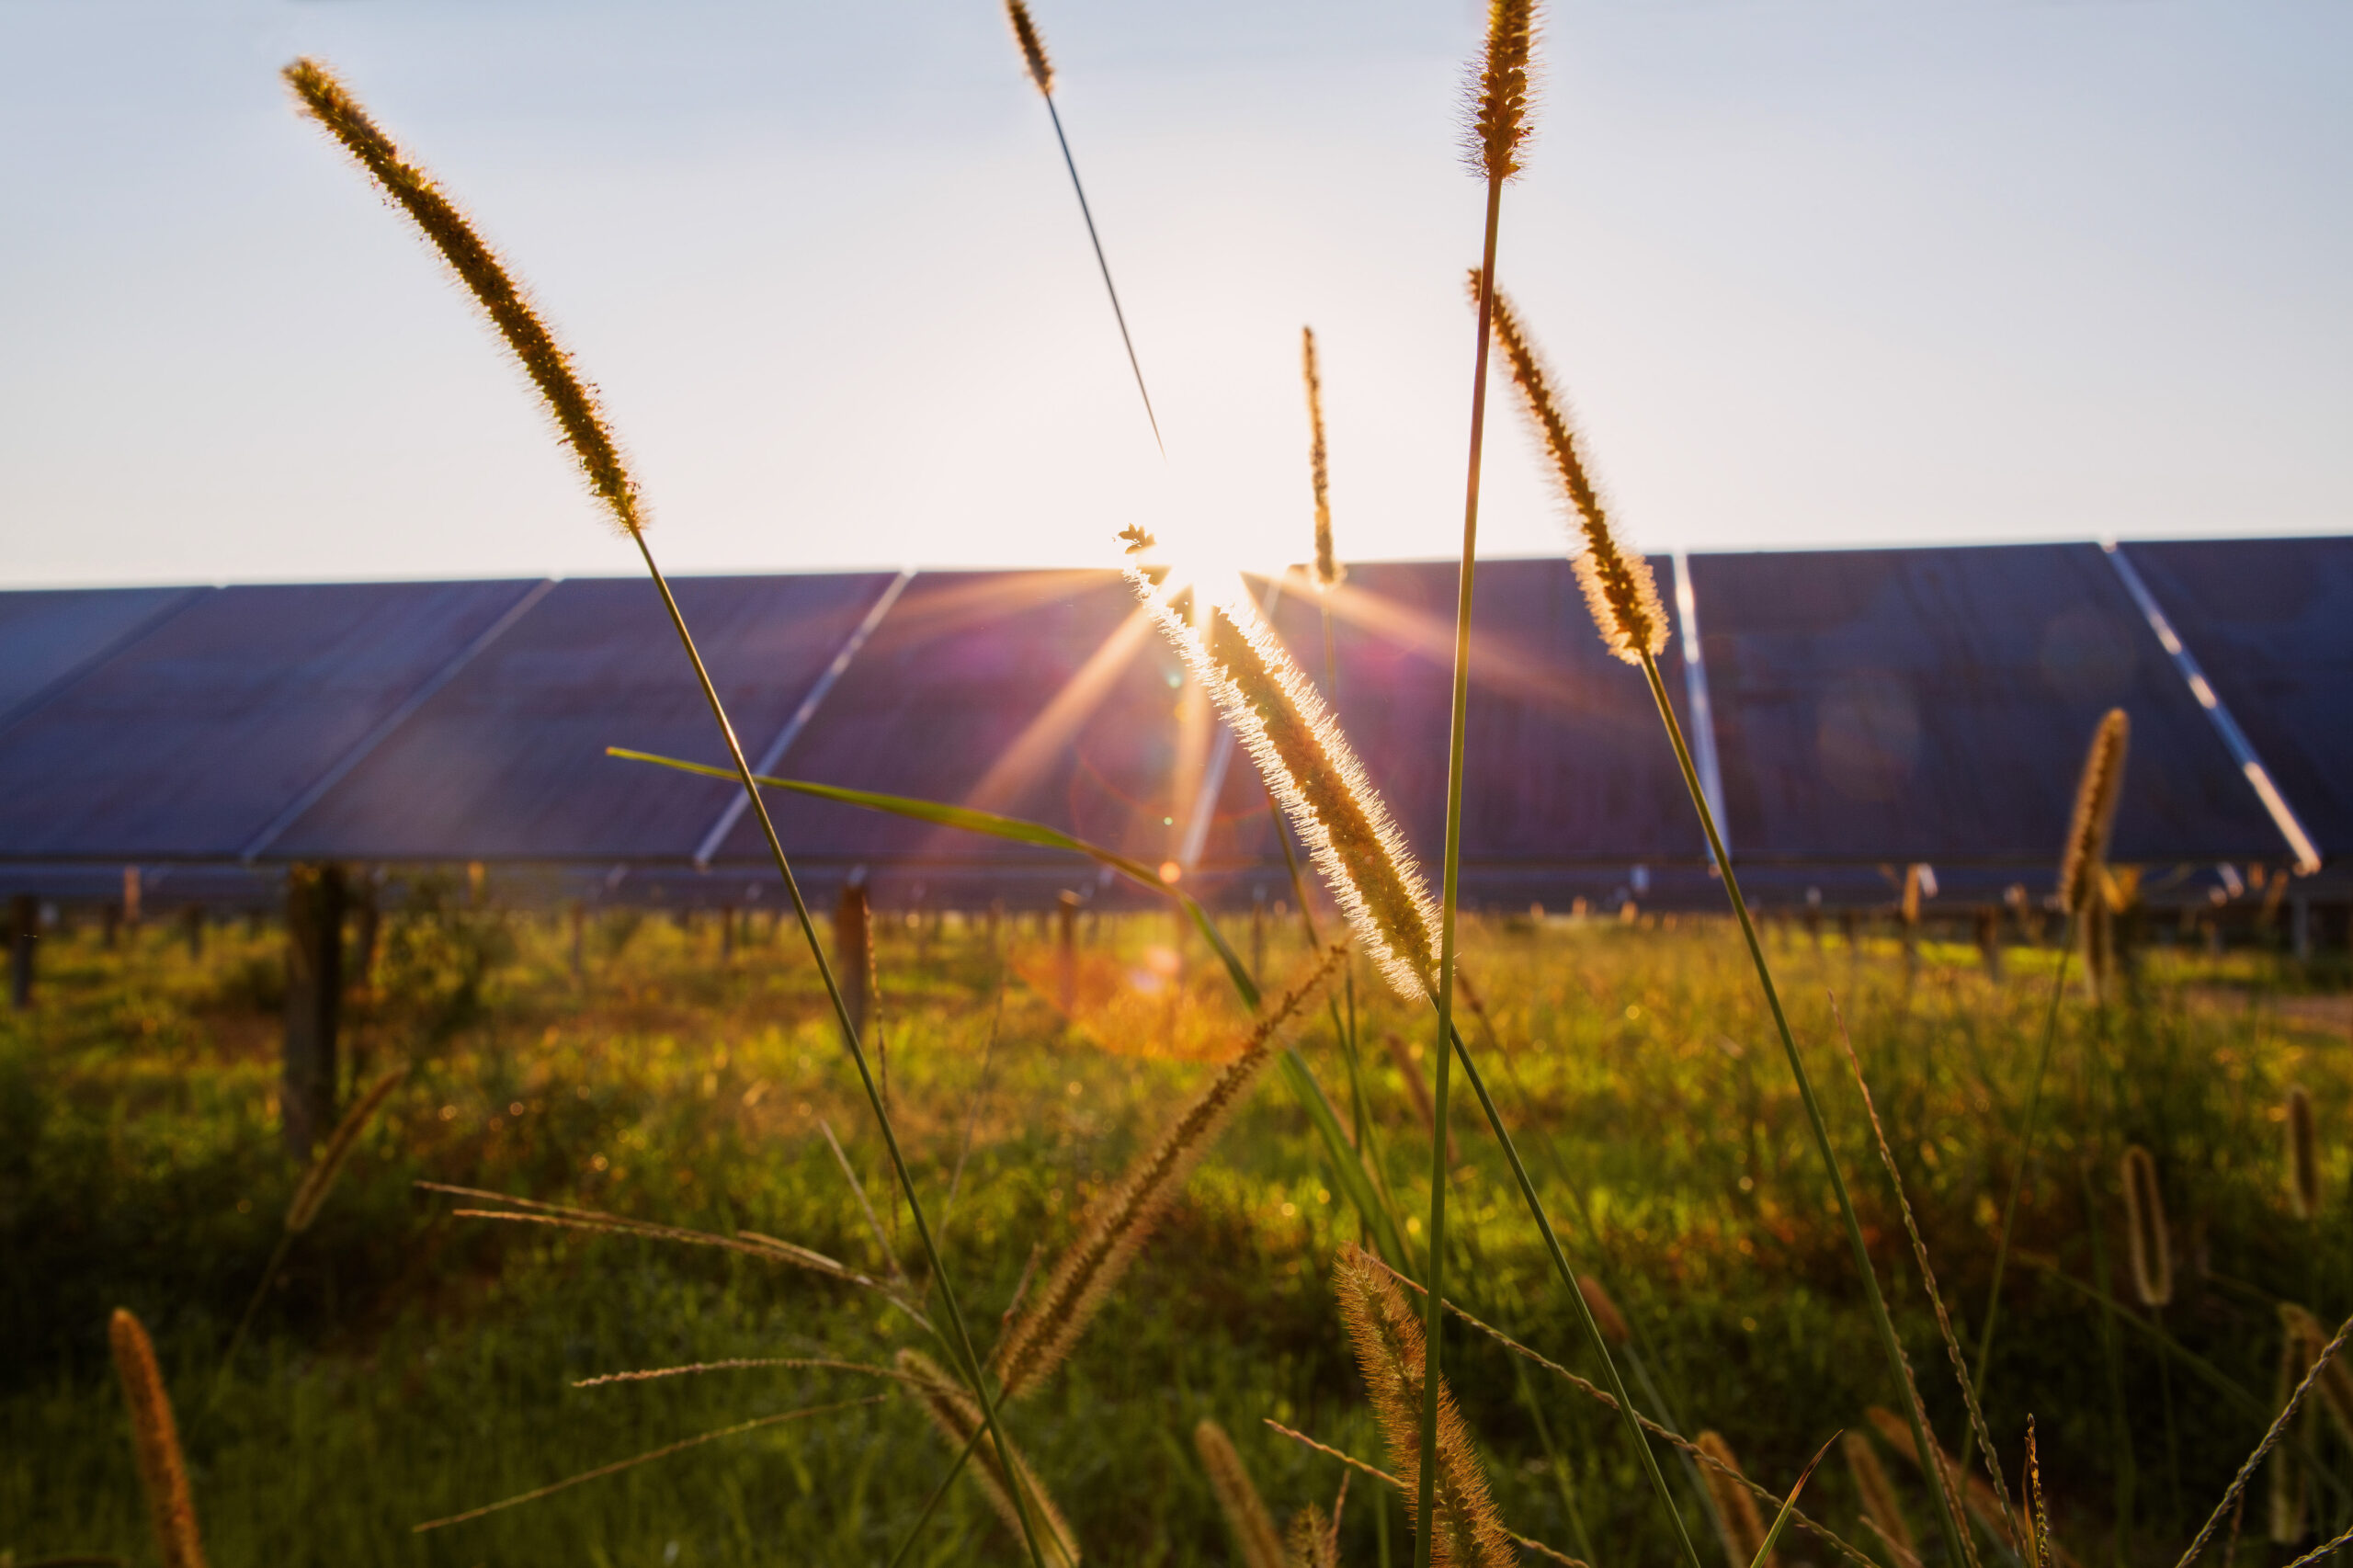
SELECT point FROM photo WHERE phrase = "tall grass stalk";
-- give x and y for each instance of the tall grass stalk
(1041, 74)
(1496, 135)
(2271, 1436)
(1254, 1536)
(1620, 592)
(585, 431)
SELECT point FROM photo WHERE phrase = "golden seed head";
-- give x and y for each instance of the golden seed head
(1328, 571)
(1313, 1539)
(2304, 1157)
(1876, 1493)
(1737, 1521)
(1117, 1226)
(579, 417)
(319, 1180)
(2038, 1527)
(1310, 769)
(2096, 794)
(1033, 48)
(1619, 587)
(155, 1439)
(1237, 1498)
(953, 1410)
(1387, 1336)
(2146, 1240)
(1606, 1315)
(1502, 91)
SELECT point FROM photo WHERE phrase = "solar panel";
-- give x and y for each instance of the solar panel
(185, 743)
(1935, 705)
(48, 636)
(507, 761)
(2271, 623)
(1567, 765)
(1040, 695)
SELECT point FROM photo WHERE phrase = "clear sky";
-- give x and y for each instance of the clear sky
(1815, 271)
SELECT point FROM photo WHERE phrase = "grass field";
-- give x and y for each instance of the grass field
(412, 1365)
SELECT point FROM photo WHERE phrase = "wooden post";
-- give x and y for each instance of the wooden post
(23, 930)
(192, 926)
(1258, 936)
(1989, 941)
(579, 914)
(1066, 950)
(315, 907)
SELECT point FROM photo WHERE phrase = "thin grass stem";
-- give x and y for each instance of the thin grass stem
(1948, 1510)
(1105, 267)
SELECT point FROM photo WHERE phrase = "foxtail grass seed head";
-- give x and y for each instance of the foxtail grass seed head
(953, 1410)
(2304, 1157)
(1313, 1539)
(1117, 1227)
(1619, 586)
(320, 1179)
(2147, 1243)
(578, 416)
(1606, 1315)
(1033, 48)
(1737, 1521)
(1878, 1495)
(155, 1439)
(2038, 1524)
(1328, 571)
(1310, 769)
(1502, 92)
(1254, 1536)
(2096, 794)
(1387, 1337)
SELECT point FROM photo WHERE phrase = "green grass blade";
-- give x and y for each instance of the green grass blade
(1788, 1507)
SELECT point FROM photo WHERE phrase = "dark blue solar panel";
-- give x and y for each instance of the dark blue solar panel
(1567, 763)
(2271, 622)
(507, 760)
(1038, 694)
(185, 743)
(1936, 704)
(49, 636)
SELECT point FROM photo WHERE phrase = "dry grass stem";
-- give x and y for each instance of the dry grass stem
(2096, 794)
(319, 1180)
(156, 1439)
(1880, 1508)
(2148, 1246)
(2300, 1367)
(635, 1459)
(1254, 1536)
(1033, 48)
(2335, 1383)
(1309, 767)
(1502, 91)
(959, 1419)
(570, 398)
(2304, 1157)
(1328, 571)
(741, 1364)
(1619, 586)
(1466, 1532)
(1981, 1436)
(1117, 1226)
(1738, 1524)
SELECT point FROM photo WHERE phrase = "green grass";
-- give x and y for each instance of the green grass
(413, 1365)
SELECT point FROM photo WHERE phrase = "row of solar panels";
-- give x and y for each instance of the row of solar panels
(1853, 709)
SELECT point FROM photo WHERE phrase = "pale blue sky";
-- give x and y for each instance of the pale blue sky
(1815, 271)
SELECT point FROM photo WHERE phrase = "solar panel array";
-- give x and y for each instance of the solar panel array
(1854, 711)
